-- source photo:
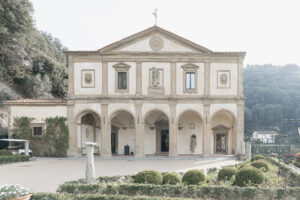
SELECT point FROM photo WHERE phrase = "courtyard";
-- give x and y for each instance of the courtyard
(45, 174)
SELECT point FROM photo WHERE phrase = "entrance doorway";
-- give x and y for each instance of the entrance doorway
(164, 140)
(221, 143)
(114, 143)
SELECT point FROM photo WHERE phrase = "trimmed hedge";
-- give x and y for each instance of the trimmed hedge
(171, 178)
(193, 177)
(249, 176)
(4, 152)
(257, 157)
(13, 159)
(260, 164)
(182, 191)
(148, 177)
(227, 173)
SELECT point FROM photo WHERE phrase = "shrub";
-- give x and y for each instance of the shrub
(171, 178)
(13, 158)
(193, 177)
(260, 164)
(226, 173)
(257, 157)
(4, 152)
(249, 176)
(296, 162)
(148, 176)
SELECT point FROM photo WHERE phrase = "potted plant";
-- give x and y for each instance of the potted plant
(14, 192)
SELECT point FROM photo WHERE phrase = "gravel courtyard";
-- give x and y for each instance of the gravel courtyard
(45, 174)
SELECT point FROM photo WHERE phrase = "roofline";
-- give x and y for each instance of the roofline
(16, 102)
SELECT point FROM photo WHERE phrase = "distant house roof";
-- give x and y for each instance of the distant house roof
(35, 102)
(267, 132)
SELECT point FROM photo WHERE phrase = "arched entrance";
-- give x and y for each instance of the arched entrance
(190, 133)
(122, 133)
(156, 134)
(89, 130)
(223, 129)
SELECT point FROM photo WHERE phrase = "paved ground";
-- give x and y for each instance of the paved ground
(45, 174)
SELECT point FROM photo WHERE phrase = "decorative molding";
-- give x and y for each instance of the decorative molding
(156, 43)
(121, 67)
(156, 81)
(87, 78)
(223, 79)
(189, 66)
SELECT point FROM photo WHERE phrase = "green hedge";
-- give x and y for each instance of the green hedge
(4, 152)
(292, 176)
(51, 196)
(13, 159)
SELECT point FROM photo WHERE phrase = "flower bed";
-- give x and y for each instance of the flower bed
(14, 192)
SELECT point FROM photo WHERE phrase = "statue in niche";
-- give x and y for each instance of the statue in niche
(87, 133)
(155, 77)
(193, 143)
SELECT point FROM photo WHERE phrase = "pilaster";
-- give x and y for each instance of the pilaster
(173, 78)
(139, 78)
(139, 128)
(206, 78)
(70, 76)
(207, 135)
(240, 78)
(73, 132)
(105, 132)
(240, 128)
(104, 78)
(173, 134)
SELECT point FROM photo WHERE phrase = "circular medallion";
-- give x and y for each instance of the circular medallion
(156, 43)
(224, 79)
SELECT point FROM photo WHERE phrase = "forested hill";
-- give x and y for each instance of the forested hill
(32, 64)
(271, 91)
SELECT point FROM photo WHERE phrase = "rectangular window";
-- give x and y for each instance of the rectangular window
(122, 80)
(190, 80)
(37, 131)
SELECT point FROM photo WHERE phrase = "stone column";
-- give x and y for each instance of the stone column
(240, 127)
(90, 165)
(139, 78)
(139, 128)
(248, 150)
(105, 132)
(104, 78)
(73, 132)
(173, 78)
(173, 131)
(206, 150)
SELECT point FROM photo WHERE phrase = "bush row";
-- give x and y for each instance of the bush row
(4, 152)
(52, 196)
(13, 158)
(286, 171)
(182, 191)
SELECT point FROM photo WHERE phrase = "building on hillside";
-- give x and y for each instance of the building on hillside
(153, 93)
(266, 137)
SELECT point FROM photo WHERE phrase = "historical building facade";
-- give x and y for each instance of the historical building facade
(155, 93)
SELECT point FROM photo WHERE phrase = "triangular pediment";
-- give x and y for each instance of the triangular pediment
(154, 39)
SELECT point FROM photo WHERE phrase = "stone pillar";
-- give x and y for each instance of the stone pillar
(104, 78)
(27, 147)
(239, 128)
(240, 77)
(70, 76)
(139, 78)
(206, 150)
(105, 132)
(248, 150)
(206, 78)
(90, 165)
(173, 131)
(173, 78)
(139, 135)
(73, 131)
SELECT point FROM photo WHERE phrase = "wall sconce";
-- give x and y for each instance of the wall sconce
(152, 127)
(124, 127)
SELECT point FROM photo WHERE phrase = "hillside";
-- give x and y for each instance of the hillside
(271, 92)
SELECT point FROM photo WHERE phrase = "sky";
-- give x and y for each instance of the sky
(268, 30)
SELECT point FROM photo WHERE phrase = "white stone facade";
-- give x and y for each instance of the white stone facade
(155, 93)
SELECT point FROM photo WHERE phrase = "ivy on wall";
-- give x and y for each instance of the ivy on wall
(53, 143)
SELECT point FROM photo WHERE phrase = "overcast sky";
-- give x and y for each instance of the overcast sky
(268, 30)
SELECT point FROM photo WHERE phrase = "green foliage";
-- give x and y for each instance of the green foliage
(171, 178)
(227, 173)
(13, 159)
(249, 176)
(31, 62)
(260, 164)
(54, 143)
(257, 157)
(148, 176)
(193, 177)
(271, 91)
(4, 152)
(296, 162)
